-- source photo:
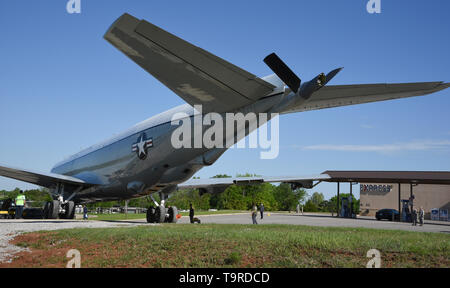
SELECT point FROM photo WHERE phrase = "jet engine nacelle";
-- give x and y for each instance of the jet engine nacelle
(304, 92)
(308, 88)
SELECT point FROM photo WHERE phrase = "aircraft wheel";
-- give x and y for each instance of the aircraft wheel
(151, 215)
(160, 214)
(173, 212)
(70, 210)
(46, 210)
(54, 209)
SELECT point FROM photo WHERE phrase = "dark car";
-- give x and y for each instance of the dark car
(388, 214)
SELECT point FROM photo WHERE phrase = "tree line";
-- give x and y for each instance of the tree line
(317, 203)
(34, 197)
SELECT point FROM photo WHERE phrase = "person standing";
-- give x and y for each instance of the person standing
(414, 217)
(261, 210)
(85, 212)
(421, 215)
(191, 213)
(254, 214)
(20, 203)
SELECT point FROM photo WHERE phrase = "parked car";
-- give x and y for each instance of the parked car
(388, 214)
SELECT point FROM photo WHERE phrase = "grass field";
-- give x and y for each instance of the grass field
(187, 245)
(122, 216)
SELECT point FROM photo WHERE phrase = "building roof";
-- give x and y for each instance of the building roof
(410, 177)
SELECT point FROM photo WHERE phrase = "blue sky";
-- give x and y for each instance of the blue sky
(64, 88)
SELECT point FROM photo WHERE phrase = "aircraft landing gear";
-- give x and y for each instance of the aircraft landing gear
(151, 215)
(172, 215)
(156, 215)
(60, 208)
(161, 214)
(51, 209)
(69, 208)
(54, 210)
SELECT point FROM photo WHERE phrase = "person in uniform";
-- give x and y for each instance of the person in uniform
(254, 214)
(261, 210)
(421, 215)
(414, 217)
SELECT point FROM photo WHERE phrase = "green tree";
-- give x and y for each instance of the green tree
(34, 197)
(310, 206)
(183, 198)
(326, 206)
(355, 202)
(287, 199)
(221, 176)
(232, 198)
(317, 198)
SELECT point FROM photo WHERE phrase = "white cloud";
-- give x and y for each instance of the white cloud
(384, 148)
(366, 126)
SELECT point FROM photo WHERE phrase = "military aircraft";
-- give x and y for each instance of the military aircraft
(142, 161)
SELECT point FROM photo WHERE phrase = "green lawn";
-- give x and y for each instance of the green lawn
(214, 245)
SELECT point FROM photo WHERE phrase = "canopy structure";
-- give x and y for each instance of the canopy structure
(408, 177)
(395, 177)
(217, 185)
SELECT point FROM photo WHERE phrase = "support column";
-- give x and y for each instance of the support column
(400, 201)
(410, 197)
(337, 214)
(351, 199)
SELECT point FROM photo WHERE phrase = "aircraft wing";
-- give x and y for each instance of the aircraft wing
(48, 180)
(342, 95)
(192, 73)
(214, 185)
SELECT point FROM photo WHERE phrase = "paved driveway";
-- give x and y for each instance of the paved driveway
(320, 220)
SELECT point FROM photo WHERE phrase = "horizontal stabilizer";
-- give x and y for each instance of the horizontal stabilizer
(342, 95)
